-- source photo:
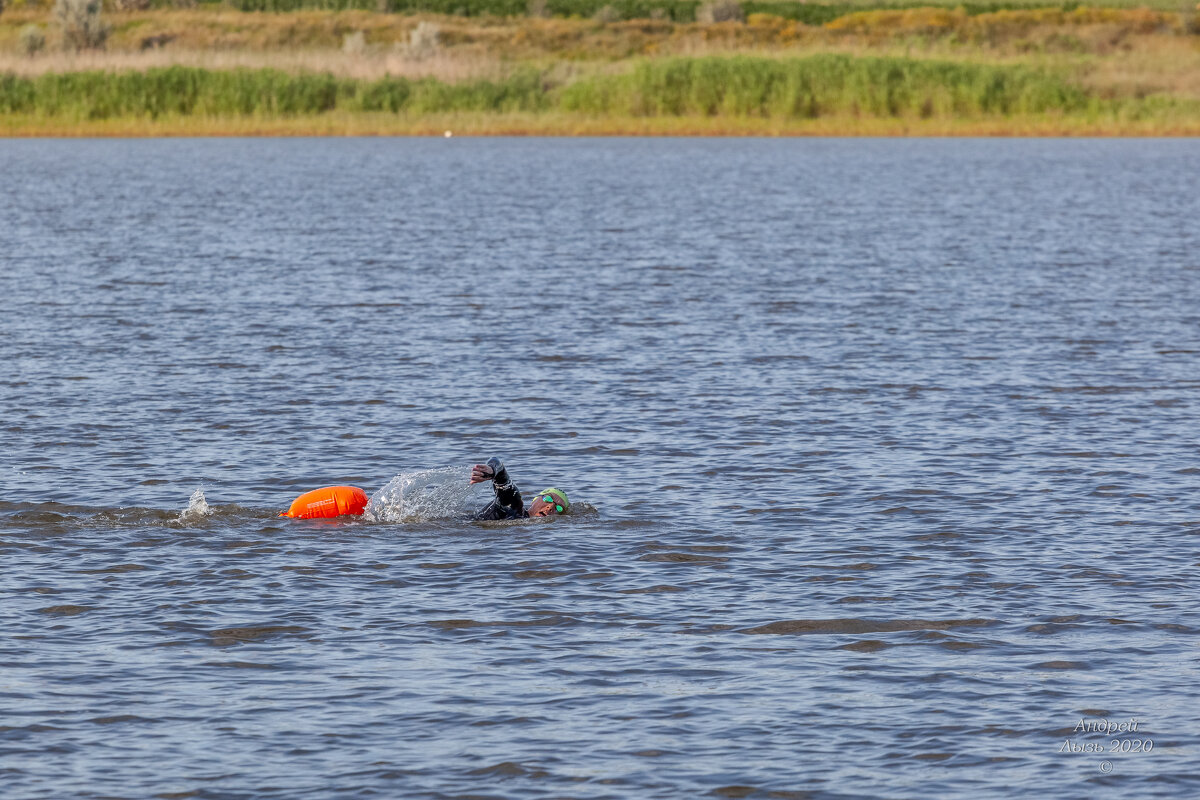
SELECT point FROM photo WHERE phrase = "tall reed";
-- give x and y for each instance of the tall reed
(739, 87)
(822, 85)
(182, 91)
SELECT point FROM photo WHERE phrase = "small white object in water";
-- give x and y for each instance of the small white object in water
(448, 134)
(197, 507)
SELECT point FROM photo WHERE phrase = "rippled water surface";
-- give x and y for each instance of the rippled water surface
(891, 446)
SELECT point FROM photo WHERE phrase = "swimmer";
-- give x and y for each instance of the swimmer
(508, 503)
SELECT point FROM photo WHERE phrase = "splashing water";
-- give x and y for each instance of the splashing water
(430, 494)
(197, 508)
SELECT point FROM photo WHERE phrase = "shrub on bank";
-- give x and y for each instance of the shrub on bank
(33, 40)
(711, 11)
(425, 39)
(82, 27)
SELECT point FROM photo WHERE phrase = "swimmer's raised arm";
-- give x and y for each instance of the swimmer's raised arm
(508, 503)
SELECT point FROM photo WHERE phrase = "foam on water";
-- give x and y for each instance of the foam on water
(197, 508)
(431, 494)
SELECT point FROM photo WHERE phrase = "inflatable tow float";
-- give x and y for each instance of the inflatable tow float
(328, 502)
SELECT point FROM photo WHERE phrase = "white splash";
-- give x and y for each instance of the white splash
(197, 508)
(430, 494)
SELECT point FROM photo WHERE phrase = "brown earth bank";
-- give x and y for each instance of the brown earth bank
(457, 126)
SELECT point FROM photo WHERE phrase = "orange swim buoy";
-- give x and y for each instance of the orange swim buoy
(328, 501)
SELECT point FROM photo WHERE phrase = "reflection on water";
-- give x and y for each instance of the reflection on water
(891, 443)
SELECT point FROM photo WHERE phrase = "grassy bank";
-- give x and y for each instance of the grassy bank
(823, 93)
(868, 68)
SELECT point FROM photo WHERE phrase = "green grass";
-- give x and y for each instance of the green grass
(184, 91)
(738, 87)
(825, 84)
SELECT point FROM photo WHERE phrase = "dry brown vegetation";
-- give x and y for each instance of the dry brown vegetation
(1097, 31)
(447, 66)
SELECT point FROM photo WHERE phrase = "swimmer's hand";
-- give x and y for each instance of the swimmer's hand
(493, 470)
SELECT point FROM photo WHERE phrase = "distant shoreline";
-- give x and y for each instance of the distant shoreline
(825, 94)
(868, 71)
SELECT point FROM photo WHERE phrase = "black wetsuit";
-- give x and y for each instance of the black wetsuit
(508, 503)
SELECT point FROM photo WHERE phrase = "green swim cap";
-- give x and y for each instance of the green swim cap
(566, 504)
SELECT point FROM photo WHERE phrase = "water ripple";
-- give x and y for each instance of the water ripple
(880, 454)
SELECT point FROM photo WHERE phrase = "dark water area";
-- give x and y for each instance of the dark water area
(892, 447)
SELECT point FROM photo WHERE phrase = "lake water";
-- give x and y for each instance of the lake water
(884, 457)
